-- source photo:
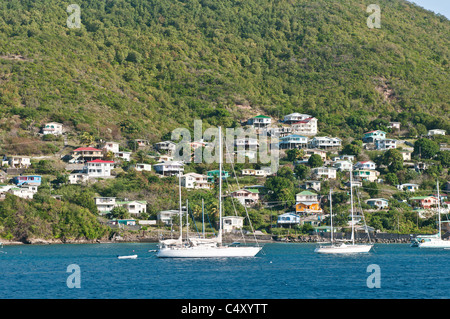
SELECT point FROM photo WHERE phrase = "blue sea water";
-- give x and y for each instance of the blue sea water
(281, 271)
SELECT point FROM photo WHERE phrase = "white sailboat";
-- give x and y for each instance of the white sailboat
(435, 241)
(342, 248)
(205, 247)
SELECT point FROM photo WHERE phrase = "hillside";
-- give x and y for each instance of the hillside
(140, 68)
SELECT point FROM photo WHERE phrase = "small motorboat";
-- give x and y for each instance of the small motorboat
(128, 257)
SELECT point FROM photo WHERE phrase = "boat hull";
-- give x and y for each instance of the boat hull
(435, 244)
(343, 249)
(209, 252)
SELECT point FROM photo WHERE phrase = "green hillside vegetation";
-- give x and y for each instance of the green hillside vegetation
(135, 66)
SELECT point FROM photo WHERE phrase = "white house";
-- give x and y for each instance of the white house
(394, 125)
(315, 185)
(167, 146)
(345, 157)
(306, 196)
(99, 168)
(125, 156)
(78, 177)
(385, 144)
(372, 136)
(325, 142)
(366, 175)
(246, 143)
(343, 165)
(307, 126)
(408, 187)
(110, 146)
(19, 161)
(196, 181)
(288, 219)
(52, 128)
(254, 172)
(134, 207)
(379, 203)
(293, 141)
(260, 121)
(436, 132)
(26, 191)
(232, 223)
(143, 167)
(166, 216)
(105, 204)
(295, 117)
(365, 165)
(325, 172)
(406, 155)
(169, 168)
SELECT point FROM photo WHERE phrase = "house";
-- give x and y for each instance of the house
(325, 172)
(141, 142)
(279, 131)
(19, 162)
(408, 187)
(394, 125)
(126, 222)
(385, 144)
(254, 172)
(246, 143)
(293, 141)
(372, 136)
(166, 216)
(308, 208)
(86, 154)
(142, 167)
(260, 121)
(325, 142)
(366, 175)
(436, 132)
(26, 192)
(52, 128)
(288, 219)
(307, 126)
(380, 203)
(247, 197)
(32, 180)
(345, 157)
(99, 168)
(354, 184)
(295, 117)
(215, 173)
(420, 166)
(78, 177)
(134, 207)
(425, 201)
(166, 146)
(343, 165)
(125, 156)
(314, 185)
(232, 223)
(195, 181)
(321, 153)
(169, 168)
(105, 204)
(306, 196)
(406, 155)
(110, 147)
(365, 165)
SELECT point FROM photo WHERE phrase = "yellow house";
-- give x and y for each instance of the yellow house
(308, 207)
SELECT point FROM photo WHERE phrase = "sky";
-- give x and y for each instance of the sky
(438, 6)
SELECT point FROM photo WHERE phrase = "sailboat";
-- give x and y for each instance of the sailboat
(435, 241)
(205, 247)
(342, 248)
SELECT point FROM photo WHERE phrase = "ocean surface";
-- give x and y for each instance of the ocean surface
(280, 271)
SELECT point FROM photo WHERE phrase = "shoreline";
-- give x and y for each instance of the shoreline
(152, 238)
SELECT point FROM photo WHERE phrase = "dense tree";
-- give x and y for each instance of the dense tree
(315, 160)
(425, 148)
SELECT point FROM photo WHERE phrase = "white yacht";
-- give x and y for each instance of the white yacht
(434, 241)
(342, 248)
(205, 247)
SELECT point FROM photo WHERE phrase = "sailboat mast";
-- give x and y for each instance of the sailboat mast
(180, 209)
(351, 205)
(203, 218)
(220, 182)
(439, 208)
(331, 216)
(187, 219)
